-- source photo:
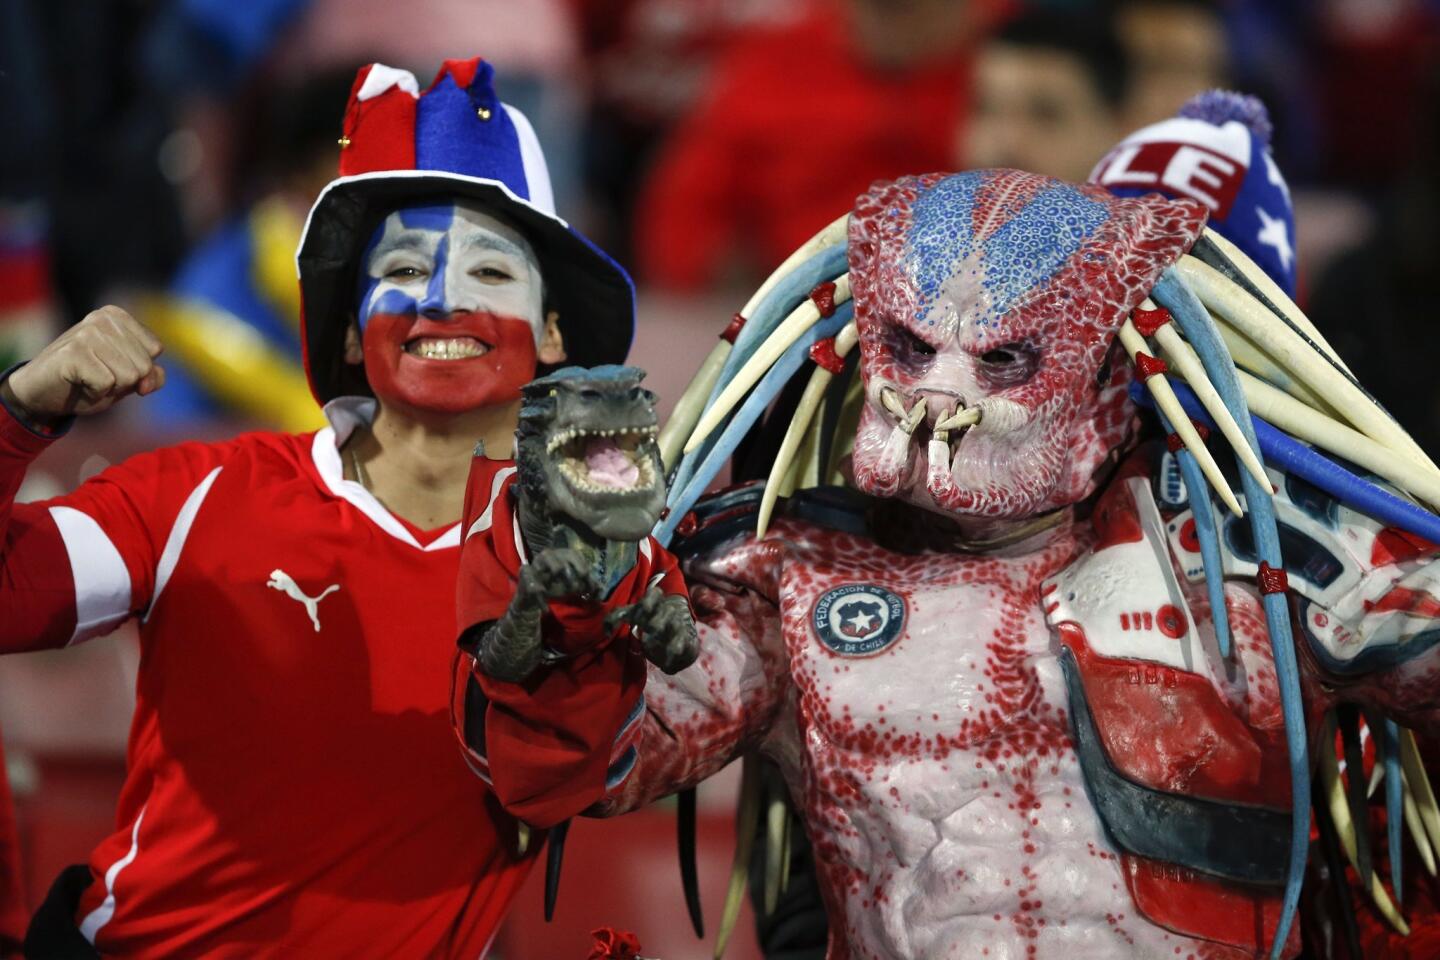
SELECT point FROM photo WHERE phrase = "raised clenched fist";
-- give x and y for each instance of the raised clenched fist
(100, 360)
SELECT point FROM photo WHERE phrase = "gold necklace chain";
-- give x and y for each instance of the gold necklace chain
(359, 468)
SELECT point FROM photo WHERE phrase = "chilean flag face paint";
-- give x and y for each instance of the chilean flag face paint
(449, 309)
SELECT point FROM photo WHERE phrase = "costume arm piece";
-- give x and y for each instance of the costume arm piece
(703, 717)
(593, 733)
(1376, 641)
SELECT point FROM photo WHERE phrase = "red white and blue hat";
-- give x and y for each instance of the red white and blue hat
(1217, 151)
(455, 140)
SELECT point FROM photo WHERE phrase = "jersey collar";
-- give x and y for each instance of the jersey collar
(345, 414)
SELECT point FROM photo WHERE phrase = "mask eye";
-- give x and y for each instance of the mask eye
(1009, 365)
(909, 348)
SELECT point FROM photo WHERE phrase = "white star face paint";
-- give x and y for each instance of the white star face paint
(450, 309)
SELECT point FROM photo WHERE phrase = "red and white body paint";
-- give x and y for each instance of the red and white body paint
(450, 309)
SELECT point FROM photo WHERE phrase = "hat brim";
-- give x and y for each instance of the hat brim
(593, 295)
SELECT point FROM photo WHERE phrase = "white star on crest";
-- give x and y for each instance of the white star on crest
(861, 622)
(1274, 234)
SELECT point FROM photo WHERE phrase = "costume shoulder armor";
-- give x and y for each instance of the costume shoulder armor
(731, 513)
(1125, 595)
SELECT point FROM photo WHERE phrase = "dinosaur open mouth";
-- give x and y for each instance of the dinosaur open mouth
(605, 461)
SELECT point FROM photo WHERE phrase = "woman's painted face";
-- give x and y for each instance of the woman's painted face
(449, 309)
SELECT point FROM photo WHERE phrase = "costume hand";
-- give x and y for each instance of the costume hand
(666, 628)
(561, 572)
(89, 367)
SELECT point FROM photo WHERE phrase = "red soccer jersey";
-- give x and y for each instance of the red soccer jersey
(292, 780)
(551, 727)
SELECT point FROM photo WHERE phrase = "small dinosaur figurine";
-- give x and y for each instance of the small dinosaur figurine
(589, 488)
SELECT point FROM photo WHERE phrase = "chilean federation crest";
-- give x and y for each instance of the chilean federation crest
(858, 619)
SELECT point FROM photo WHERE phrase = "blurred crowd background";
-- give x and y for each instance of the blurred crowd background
(162, 155)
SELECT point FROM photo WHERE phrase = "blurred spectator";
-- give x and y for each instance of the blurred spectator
(1049, 88)
(231, 320)
(1216, 151)
(28, 311)
(647, 63)
(1176, 49)
(86, 208)
(1376, 304)
(1370, 63)
(797, 122)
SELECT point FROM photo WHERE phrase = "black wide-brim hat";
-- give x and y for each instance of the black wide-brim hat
(455, 142)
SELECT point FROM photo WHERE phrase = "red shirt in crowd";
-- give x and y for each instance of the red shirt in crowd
(292, 782)
(794, 127)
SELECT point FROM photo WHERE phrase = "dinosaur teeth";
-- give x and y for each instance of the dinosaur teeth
(576, 470)
(629, 438)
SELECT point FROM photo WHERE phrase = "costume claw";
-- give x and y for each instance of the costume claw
(890, 400)
(690, 405)
(1290, 348)
(1419, 783)
(746, 821)
(906, 420)
(1169, 405)
(961, 418)
(916, 415)
(1190, 368)
(1345, 827)
(804, 413)
(1294, 417)
(775, 818)
(833, 233)
(1417, 830)
(802, 318)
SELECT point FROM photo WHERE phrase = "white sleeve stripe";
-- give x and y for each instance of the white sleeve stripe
(170, 556)
(102, 581)
(103, 914)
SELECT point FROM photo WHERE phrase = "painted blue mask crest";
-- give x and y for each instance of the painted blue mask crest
(1033, 240)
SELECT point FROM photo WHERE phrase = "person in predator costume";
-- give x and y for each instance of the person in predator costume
(292, 786)
(1033, 690)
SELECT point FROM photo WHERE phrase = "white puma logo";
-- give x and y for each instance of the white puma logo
(280, 580)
